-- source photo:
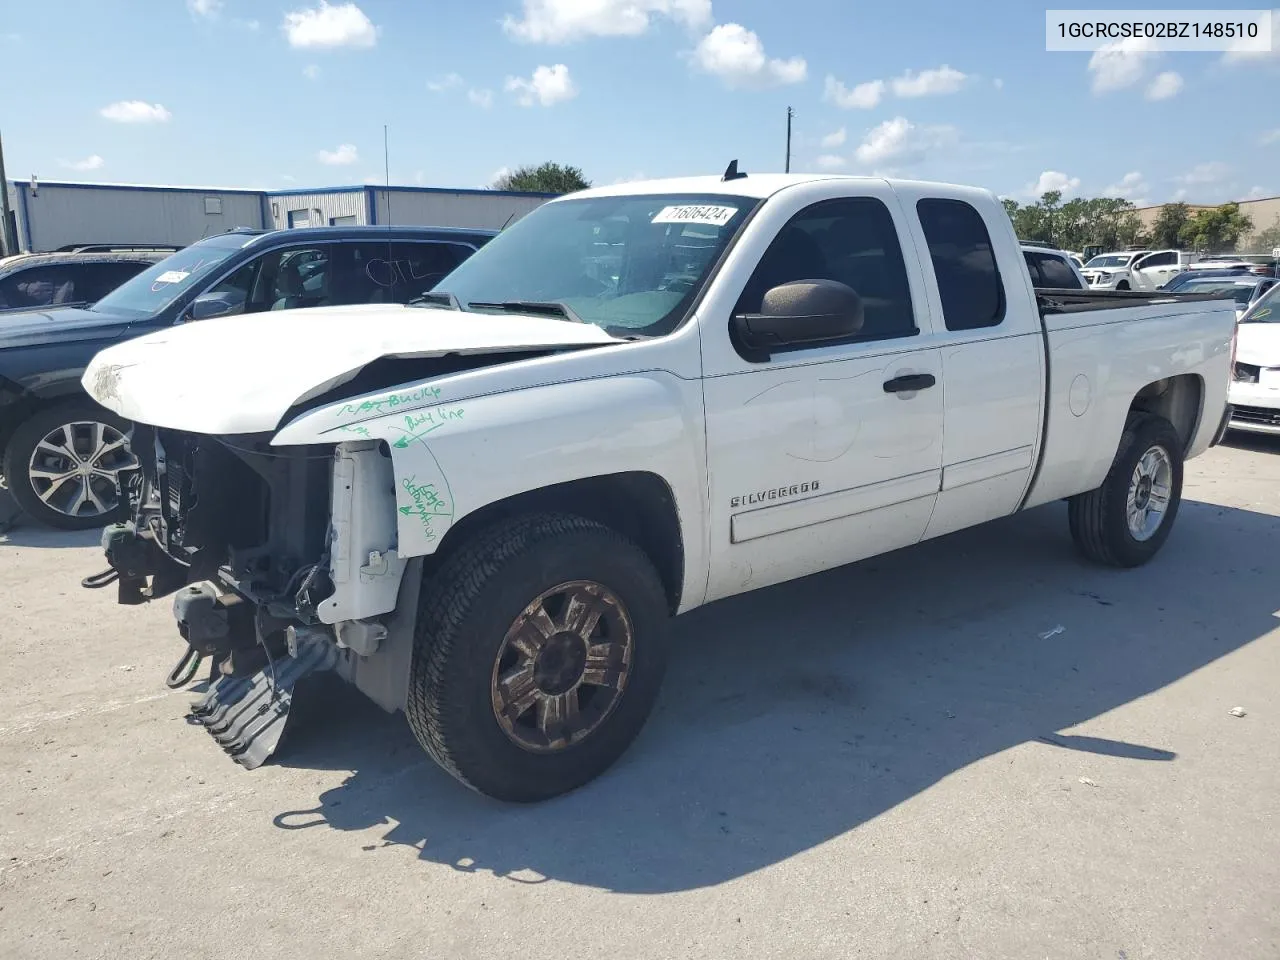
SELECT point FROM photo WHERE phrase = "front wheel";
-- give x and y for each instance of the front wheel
(1122, 285)
(63, 464)
(539, 650)
(1125, 522)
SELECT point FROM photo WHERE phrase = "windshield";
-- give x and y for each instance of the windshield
(1111, 260)
(1265, 310)
(1239, 292)
(629, 264)
(160, 285)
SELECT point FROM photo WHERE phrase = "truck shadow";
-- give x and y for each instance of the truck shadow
(794, 714)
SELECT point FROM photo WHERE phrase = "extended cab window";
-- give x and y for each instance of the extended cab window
(969, 282)
(851, 240)
(1053, 272)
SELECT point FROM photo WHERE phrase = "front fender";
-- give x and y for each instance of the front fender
(452, 458)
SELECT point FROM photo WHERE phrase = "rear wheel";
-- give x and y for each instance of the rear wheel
(62, 465)
(1122, 285)
(1125, 521)
(539, 651)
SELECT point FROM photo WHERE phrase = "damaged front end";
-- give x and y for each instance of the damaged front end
(275, 572)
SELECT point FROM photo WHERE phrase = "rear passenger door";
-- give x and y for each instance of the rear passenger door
(992, 358)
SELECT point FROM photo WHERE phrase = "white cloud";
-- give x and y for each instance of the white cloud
(328, 26)
(830, 161)
(735, 55)
(135, 111)
(93, 162)
(288, 177)
(901, 141)
(481, 98)
(253, 26)
(929, 82)
(311, 72)
(1257, 193)
(1240, 57)
(1271, 136)
(419, 176)
(345, 155)
(862, 97)
(204, 8)
(547, 86)
(836, 138)
(447, 82)
(1164, 86)
(1053, 180)
(561, 21)
(639, 175)
(1131, 185)
(500, 174)
(998, 83)
(1204, 174)
(1121, 64)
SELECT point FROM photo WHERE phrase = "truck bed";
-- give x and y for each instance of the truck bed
(1051, 300)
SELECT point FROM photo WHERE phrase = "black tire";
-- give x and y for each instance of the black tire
(1122, 285)
(1099, 518)
(17, 466)
(466, 610)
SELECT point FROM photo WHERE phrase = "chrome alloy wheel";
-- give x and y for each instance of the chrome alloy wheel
(563, 666)
(1149, 491)
(75, 467)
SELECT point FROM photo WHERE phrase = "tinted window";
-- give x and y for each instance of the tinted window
(1055, 272)
(853, 241)
(39, 287)
(1158, 260)
(99, 279)
(418, 267)
(965, 265)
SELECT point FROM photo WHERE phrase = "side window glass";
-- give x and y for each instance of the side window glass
(853, 241)
(1033, 267)
(420, 266)
(101, 278)
(1057, 274)
(964, 263)
(290, 279)
(40, 287)
(237, 288)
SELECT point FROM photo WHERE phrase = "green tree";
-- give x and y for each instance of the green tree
(1216, 230)
(546, 178)
(1167, 230)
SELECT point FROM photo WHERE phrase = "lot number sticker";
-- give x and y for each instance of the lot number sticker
(173, 276)
(693, 213)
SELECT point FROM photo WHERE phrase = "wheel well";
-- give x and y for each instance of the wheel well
(1176, 399)
(21, 410)
(639, 505)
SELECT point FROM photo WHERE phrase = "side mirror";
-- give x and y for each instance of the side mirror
(798, 314)
(209, 305)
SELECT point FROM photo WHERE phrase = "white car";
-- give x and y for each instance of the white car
(1052, 269)
(1255, 382)
(1135, 269)
(483, 509)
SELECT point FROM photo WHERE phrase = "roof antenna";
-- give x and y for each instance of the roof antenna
(731, 172)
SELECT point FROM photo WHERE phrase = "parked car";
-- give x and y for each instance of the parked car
(37, 280)
(1052, 268)
(482, 510)
(63, 452)
(1255, 380)
(1135, 269)
(1180, 280)
(1244, 289)
(1264, 265)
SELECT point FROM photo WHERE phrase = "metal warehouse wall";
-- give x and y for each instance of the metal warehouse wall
(321, 208)
(60, 214)
(428, 206)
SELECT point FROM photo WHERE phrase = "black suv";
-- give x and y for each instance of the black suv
(33, 280)
(62, 451)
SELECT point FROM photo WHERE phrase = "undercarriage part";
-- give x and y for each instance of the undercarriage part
(134, 558)
(213, 622)
(247, 715)
(184, 671)
(361, 636)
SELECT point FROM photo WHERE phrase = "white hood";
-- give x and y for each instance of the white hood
(241, 374)
(1258, 344)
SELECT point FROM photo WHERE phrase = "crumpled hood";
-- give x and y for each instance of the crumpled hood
(1258, 344)
(20, 328)
(242, 374)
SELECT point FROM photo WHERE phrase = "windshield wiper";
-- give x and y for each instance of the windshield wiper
(552, 307)
(435, 298)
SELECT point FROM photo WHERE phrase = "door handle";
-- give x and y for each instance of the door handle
(909, 382)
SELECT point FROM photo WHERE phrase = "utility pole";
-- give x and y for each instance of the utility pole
(8, 241)
(790, 113)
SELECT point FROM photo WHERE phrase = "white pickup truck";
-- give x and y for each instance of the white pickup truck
(483, 508)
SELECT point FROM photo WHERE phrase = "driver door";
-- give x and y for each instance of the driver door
(819, 456)
(1155, 270)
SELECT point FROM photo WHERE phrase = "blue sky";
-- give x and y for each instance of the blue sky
(268, 94)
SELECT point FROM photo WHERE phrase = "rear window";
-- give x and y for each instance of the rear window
(1053, 272)
(964, 263)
